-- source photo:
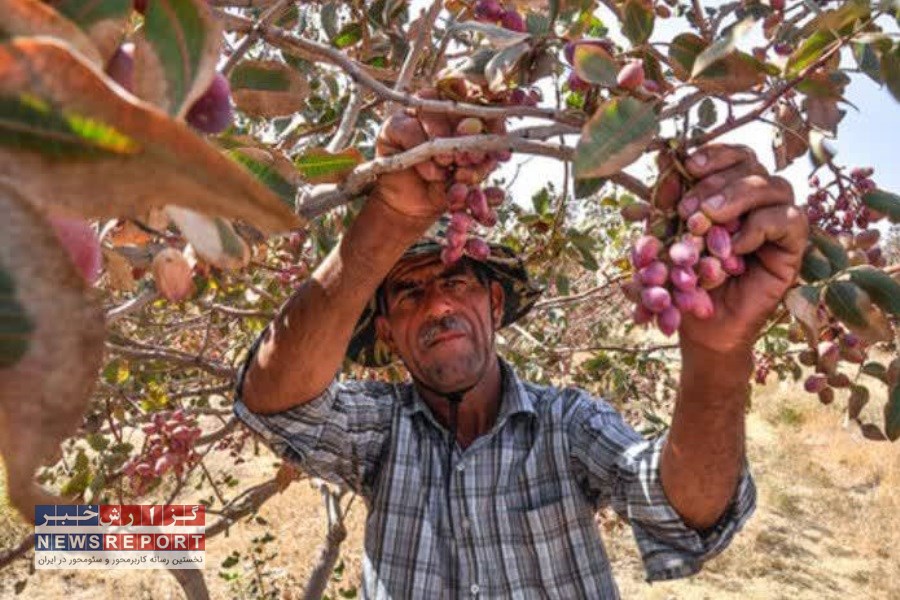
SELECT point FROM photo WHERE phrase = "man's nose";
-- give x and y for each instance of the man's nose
(437, 302)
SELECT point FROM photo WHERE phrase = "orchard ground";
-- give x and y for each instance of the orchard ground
(827, 525)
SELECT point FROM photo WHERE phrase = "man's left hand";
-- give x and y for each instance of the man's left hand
(730, 183)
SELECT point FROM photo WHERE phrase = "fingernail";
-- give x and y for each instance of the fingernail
(699, 159)
(714, 202)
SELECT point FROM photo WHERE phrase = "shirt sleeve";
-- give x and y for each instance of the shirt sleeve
(338, 436)
(616, 466)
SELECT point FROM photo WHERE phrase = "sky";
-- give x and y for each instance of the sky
(869, 136)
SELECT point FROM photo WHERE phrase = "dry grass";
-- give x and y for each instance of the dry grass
(827, 525)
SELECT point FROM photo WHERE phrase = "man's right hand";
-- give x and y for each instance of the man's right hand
(420, 191)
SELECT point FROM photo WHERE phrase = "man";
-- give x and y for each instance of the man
(505, 507)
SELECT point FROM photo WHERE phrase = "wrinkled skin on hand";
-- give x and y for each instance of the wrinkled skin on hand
(730, 183)
(420, 191)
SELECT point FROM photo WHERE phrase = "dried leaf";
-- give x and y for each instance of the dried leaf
(823, 113)
(268, 88)
(57, 372)
(803, 303)
(119, 272)
(63, 131)
(213, 238)
(498, 37)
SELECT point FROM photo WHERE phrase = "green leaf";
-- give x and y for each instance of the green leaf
(637, 21)
(584, 244)
(859, 397)
(615, 137)
(875, 369)
(349, 34)
(721, 47)
(853, 307)
(890, 71)
(884, 202)
(537, 23)
(29, 123)
(880, 286)
(88, 12)
(125, 141)
(268, 88)
(830, 247)
(15, 324)
(320, 166)
(683, 52)
(271, 178)
(82, 477)
(706, 113)
(176, 53)
(29, 18)
(815, 265)
(892, 415)
(809, 51)
(329, 19)
(502, 65)
(867, 60)
(594, 65)
(251, 75)
(588, 187)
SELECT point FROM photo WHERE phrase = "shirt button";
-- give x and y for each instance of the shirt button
(460, 467)
(474, 589)
(466, 524)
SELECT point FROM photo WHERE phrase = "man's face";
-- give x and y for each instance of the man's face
(440, 321)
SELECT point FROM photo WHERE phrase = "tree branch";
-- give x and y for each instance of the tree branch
(317, 52)
(174, 356)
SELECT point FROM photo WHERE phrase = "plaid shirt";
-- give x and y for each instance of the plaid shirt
(523, 496)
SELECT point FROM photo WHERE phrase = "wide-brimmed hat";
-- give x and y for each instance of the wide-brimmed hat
(502, 265)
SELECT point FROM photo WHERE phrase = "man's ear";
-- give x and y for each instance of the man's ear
(383, 330)
(497, 298)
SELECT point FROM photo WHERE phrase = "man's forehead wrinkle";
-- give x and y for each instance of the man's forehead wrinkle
(420, 274)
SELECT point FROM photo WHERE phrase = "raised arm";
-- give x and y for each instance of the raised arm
(304, 345)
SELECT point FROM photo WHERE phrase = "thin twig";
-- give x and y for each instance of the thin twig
(701, 20)
(415, 53)
(268, 15)
(133, 305)
(348, 122)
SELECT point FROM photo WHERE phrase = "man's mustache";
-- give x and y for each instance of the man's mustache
(446, 324)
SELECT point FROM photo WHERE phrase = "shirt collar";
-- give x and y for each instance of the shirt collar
(515, 397)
